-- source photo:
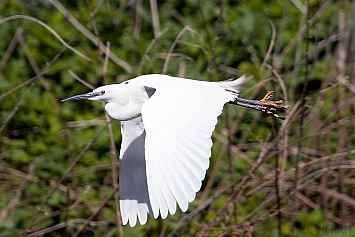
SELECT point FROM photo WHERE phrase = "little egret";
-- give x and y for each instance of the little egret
(167, 123)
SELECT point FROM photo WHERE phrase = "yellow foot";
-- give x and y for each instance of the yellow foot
(271, 106)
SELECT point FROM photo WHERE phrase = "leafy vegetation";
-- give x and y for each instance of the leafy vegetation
(58, 163)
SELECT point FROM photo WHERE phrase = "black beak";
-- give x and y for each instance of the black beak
(82, 96)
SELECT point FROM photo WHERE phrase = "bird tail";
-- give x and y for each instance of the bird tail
(233, 85)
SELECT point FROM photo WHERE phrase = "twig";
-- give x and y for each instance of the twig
(96, 31)
(29, 81)
(271, 44)
(90, 35)
(346, 83)
(311, 21)
(196, 211)
(96, 212)
(81, 80)
(242, 184)
(48, 28)
(19, 103)
(145, 55)
(66, 224)
(166, 63)
(155, 17)
(113, 150)
(72, 165)
(10, 48)
(302, 118)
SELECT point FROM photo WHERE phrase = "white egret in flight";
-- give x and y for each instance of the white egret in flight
(167, 123)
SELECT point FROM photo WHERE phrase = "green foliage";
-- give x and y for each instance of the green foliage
(221, 40)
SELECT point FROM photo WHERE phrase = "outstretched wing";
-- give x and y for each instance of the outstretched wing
(134, 198)
(179, 120)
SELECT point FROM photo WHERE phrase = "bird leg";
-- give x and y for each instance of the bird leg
(264, 105)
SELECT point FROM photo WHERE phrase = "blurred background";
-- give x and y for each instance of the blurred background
(267, 177)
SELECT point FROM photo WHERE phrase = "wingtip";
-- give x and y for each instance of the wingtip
(132, 223)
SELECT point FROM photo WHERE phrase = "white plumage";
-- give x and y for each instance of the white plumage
(167, 123)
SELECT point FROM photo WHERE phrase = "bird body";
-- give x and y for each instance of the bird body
(125, 100)
(166, 123)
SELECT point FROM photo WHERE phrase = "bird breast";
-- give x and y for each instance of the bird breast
(127, 105)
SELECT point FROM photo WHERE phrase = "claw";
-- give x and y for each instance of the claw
(267, 97)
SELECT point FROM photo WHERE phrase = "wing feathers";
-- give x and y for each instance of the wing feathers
(164, 162)
(152, 191)
(179, 122)
(134, 197)
(133, 213)
(160, 185)
(166, 185)
(142, 213)
(175, 182)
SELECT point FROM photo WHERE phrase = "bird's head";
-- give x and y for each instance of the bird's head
(103, 93)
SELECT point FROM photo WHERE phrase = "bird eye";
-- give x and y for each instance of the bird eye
(102, 92)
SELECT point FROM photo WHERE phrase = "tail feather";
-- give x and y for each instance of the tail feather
(235, 85)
